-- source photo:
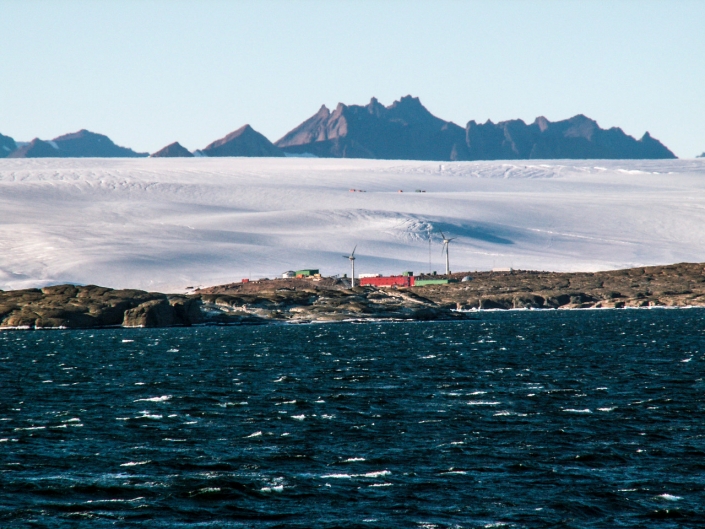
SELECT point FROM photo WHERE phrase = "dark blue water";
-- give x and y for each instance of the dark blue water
(521, 419)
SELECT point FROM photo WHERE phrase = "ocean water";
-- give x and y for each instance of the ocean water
(516, 419)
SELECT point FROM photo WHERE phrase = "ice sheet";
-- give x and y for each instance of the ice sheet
(166, 224)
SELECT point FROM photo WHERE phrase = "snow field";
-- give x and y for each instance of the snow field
(166, 224)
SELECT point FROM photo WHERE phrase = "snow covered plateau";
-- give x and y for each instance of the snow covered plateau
(168, 224)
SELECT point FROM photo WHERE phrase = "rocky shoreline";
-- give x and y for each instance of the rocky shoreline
(329, 300)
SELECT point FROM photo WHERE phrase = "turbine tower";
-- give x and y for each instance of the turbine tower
(446, 244)
(352, 262)
(430, 266)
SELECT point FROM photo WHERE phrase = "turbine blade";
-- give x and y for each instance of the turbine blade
(442, 235)
(353, 252)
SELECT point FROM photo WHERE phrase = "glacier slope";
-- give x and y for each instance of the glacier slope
(165, 224)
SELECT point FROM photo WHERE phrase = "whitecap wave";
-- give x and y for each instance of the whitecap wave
(163, 398)
(135, 463)
(670, 497)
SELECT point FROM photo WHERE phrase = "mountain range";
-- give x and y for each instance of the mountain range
(404, 130)
(245, 141)
(81, 144)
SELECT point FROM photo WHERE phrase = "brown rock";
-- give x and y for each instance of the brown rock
(528, 302)
(187, 310)
(60, 290)
(154, 313)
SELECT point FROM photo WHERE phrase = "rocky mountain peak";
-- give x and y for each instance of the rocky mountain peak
(7, 145)
(244, 141)
(245, 129)
(173, 150)
(80, 144)
(36, 149)
(580, 126)
(403, 130)
(411, 110)
(542, 123)
(87, 144)
(81, 134)
(375, 108)
(409, 102)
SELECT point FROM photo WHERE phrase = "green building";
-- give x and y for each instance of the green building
(307, 272)
(426, 282)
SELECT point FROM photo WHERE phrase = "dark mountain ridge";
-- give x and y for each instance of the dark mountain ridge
(406, 130)
(7, 145)
(173, 150)
(578, 138)
(245, 141)
(81, 144)
(36, 149)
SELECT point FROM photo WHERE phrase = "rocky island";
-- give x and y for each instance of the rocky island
(331, 299)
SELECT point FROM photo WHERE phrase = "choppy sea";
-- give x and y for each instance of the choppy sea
(516, 419)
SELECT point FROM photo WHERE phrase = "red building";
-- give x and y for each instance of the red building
(391, 281)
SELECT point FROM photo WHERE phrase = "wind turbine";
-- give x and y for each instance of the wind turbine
(352, 262)
(429, 249)
(446, 244)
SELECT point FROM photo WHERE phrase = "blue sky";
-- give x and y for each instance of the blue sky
(149, 72)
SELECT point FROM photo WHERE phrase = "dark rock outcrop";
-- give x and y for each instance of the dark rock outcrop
(154, 313)
(187, 310)
(173, 150)
(406, 130)
(164, 311)
(7, 145)
(245, 141)
(81, 144)
(701, 156)
(68, 306)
